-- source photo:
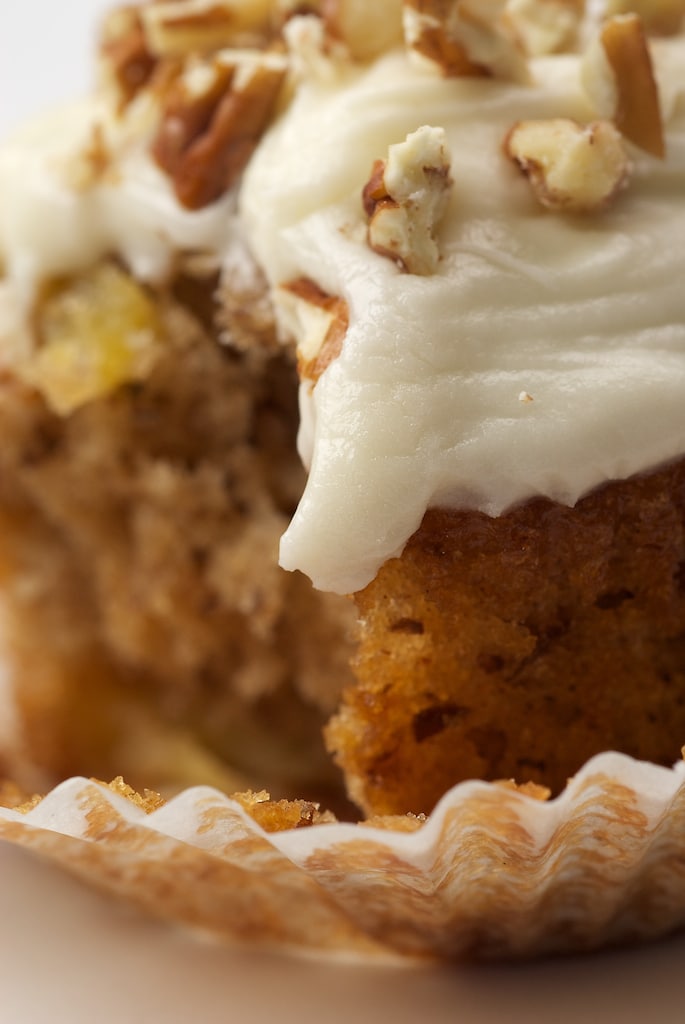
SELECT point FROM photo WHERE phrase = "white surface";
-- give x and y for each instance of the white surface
(45, 54)
(66, 955)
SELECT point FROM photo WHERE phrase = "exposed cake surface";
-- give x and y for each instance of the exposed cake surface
(520, 646)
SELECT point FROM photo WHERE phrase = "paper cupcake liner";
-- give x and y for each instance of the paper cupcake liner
(493, 873)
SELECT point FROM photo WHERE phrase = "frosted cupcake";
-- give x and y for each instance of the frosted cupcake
(452, 229)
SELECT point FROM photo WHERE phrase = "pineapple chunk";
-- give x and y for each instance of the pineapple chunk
(96, 333)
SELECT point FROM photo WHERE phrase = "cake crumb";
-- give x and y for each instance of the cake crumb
(531, 789)
(16, 798)
(148, 800)
(396, 822)
(281, 815)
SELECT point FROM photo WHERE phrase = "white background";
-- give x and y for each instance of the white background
(66, 955)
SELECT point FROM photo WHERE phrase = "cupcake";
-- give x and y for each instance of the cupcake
(429, 252)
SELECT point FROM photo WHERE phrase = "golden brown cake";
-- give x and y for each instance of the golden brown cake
(519, 647)
(450, 228)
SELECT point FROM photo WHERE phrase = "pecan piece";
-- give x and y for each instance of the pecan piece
(405, 199)
(546, 26)
(660, 17)
(465, 38)
(213, 120)
(176, 28)
(364, 29)
(318, 322)
(124, 49)
(618, 76)
(570, 167)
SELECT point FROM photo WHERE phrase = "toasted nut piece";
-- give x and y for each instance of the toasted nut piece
(213, 120)
(189, 109)
(660, 17)
(618, 76)
(546, 26)
(426, 36)
(176, 28)
(405, 199)
(367, 29)
(364, 29)
(318, 322)
(570, 167)
(465, 37)
(125, 53)
(313, 53)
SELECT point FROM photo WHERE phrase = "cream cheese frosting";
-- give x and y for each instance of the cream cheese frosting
(53, 224)
(545, 356)
(423, 407)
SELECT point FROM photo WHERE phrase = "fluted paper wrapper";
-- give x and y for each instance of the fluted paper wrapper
(492, 873)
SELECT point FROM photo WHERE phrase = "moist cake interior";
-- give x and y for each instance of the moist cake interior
(149, 626)
(519, 647)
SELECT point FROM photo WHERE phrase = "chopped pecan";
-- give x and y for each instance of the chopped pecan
(176, 28)
(465, 37)
(405, 198)
(318, 321)
(366, 29)
(571, 167)
(618, 76)
(546, 26)
(125, 52)
(660, 17)
(311, 49)
(213, 120)
(375, 192)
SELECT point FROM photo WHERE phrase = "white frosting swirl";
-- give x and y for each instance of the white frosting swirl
(422, 408)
